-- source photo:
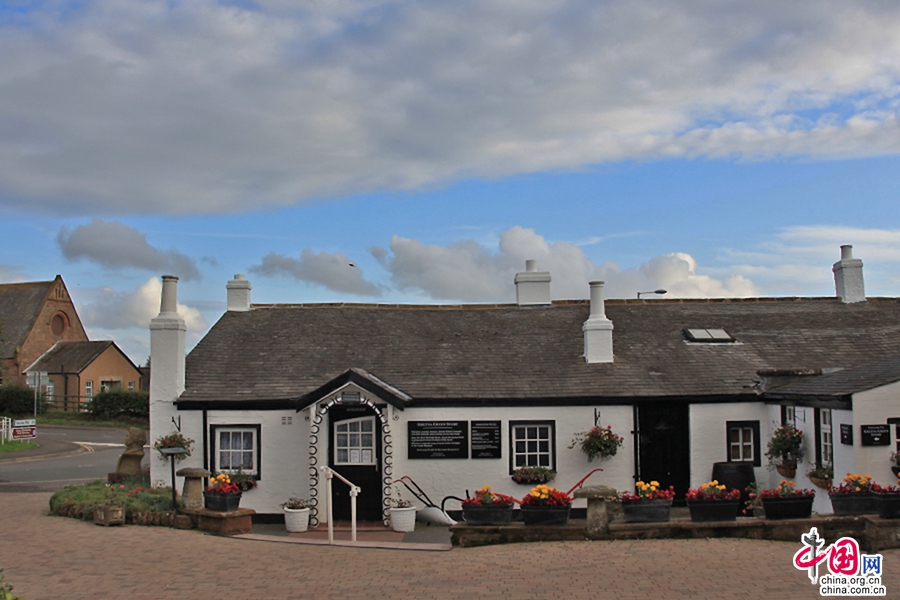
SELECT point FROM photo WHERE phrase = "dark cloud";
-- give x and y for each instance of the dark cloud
(117, 246)
(333, 271)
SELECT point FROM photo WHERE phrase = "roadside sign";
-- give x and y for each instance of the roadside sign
(24, 433)
(24, 423)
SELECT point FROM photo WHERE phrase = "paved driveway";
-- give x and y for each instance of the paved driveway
(57, 558)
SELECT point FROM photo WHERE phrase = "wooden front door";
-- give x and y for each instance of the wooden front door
(355, 443)
(664, 445)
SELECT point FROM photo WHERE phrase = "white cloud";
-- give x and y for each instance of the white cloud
(469, 272)
(116, 245)
(333, 271)
(116, 310)
(180, 107)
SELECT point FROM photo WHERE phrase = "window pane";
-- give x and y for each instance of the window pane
(247, 460)
(342, 456)
(366, 440)
(354, 426)
(544, 447)
(367, 425)
(545, 461)
(225, 440)
(532, 446)
(531, 432)
(520, 460)
(226, 460)
(735, 452)
(735, 435)
(367, 456)
(342, 427)
(520, 447)
(354, 440)
(342, 440)
(248, 440)
(520, 433)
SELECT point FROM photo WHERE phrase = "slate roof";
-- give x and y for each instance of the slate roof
(20, 304)
(506, 353)
(70, 357)
(843, 383)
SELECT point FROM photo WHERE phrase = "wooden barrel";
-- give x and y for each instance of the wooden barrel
(735, 475)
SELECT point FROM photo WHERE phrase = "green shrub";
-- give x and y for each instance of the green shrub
(18, 400)
(120, 403)
(135, 493)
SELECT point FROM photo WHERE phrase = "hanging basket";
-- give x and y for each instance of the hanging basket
(820, 482)
(787, 468)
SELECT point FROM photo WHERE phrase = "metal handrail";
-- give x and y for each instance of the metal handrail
(354, 492)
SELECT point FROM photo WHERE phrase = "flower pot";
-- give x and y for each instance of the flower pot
(791, 507)
(647, 511)
(487, 514)
(820, 482)
(787, 468)
(888, 505)
(545, 515)
(860, 503)
(896, 471)
(222, 502)
(296, 520)
(109, 514)
(403, 519)
(704, 511)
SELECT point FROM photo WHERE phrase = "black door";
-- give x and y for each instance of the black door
(664, 445)
(355, 443)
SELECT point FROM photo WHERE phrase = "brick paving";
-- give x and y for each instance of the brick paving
(50, 558)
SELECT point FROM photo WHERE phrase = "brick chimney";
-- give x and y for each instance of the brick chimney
(598, 341)
(239, 293)
(532, 286)
(848, 277)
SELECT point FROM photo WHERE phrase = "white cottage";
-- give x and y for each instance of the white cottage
(457, 397)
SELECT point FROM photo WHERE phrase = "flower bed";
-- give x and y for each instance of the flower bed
(713, 501)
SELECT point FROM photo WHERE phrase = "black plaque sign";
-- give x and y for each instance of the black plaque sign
(485, 439)
(438, 439)
(875, 435)
(847, 434)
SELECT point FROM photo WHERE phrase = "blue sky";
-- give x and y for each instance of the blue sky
(709, 148)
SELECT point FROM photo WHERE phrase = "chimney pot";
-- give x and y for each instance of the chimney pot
(532, 286)
(849, 284)
(598, 342)
(239, 293)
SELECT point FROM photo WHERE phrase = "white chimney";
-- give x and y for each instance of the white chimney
(239, 293)
(848, 277)
(167, 332)
(532, 286)
(598, 342)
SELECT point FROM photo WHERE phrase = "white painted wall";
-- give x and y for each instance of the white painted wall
(709, 436)
(875, 407)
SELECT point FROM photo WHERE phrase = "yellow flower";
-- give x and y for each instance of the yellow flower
(654, 483)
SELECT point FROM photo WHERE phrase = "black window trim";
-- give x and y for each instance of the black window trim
(754, 425)
(538, 423)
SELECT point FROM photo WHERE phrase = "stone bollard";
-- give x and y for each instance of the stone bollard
(597, 509)
(192, 494)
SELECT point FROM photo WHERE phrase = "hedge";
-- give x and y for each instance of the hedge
(18, 400)
(120, 403)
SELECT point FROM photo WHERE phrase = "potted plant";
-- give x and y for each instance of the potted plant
(787, 502)
(545, 505)
(597, 442)
(821, 477)
(887, 499)
(785, 449)
(713, 501)
(403, 514)
(244, 481)
(853, 496)
(487, 508)
(533, 475)
(296, 514)
(895, 463)
(173, 441)
(648, 503)
(221, 494)
(112, 511)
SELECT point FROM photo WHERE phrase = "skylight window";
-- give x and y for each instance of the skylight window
(708, 336)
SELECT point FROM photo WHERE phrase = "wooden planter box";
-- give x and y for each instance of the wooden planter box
(222, 502)
(545, 515)
(109, 514)
(647, 511)
(705, 511)
(788, 508)
(487, 514)
(862, 503)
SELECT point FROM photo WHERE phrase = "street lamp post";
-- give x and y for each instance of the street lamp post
(660, 292)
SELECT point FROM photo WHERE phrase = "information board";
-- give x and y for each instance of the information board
(24, 433)
(486, 439)
(875, 435)
(438, 439)
(847, 434)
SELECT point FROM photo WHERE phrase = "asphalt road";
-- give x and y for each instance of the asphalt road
(94, 454)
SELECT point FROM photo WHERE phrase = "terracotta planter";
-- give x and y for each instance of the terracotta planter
(820, 482)
(647, 511)
(888, 505)
(862, 503)
(296, 520)
(787, 468)
(788, 508)
(487, 514)
(545, 515)
(222, 502)
(704, 511)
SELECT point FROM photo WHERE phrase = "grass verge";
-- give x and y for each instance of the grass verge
(76, 419)
(16, 446)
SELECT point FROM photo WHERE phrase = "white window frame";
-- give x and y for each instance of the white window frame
(532, 443)
(748, 444)
(88, 389)
(363, 451)
(826, 436)
(130, 386)
(253, 430)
